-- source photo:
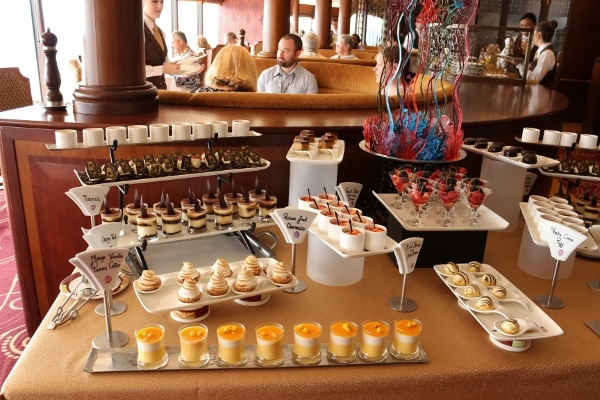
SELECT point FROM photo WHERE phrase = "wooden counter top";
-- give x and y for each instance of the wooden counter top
(488, 109)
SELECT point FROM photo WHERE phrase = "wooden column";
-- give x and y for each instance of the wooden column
(113, 59)
(323, 22)
(344, 16)
(276, 23)
(296, 16)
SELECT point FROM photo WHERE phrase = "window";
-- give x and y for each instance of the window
(24, 47)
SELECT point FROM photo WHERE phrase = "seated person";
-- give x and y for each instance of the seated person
(357, 42)
(343, 48)
(288, 76)
(542, 69)
(232, 70)
(230, 38)
(193, 80)
(310, 45)
(386, 71)
(202, 44)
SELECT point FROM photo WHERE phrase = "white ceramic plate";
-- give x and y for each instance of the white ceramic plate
(68, 284)
(165, 300)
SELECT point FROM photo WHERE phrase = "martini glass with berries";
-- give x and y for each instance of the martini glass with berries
(477, 191)
(400, 178)
(448, 191)
(420, 191)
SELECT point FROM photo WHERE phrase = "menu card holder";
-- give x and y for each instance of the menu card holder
(89, 199)
(349, 192)
(102, 267)
(406, 252)
(562, 241)
(294, 224)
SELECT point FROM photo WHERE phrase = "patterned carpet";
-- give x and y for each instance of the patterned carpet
(13, 335)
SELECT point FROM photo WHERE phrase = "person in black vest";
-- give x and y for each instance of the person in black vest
(543, 68)
(527, 21)
(155, 46)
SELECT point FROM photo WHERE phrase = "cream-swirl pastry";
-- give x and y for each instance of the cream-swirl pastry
(217, 285)
(222, 266)
(281, 274)
(188, 271)
(246, 281)
(251, 263)
(460, 279)
(484, 304)
(189, 292)
(148, 282)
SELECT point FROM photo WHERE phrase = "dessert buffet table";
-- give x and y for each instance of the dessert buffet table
(462, 361)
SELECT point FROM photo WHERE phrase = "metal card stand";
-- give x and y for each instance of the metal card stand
(594, 285)
(294, 224)
(89, 199)
(102, 266)
(562, 241)
(301, 286)
(406, 253)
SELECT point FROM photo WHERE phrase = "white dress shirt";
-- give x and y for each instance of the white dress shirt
(299, 80)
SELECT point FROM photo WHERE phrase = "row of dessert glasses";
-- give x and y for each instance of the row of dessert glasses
(447, 186)
(231, 351)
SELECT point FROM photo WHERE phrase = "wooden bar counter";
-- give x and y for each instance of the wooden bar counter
(463, 363)
(46, 224)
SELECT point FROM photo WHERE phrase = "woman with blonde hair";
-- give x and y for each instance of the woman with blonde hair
(232, 70)
(202, 43)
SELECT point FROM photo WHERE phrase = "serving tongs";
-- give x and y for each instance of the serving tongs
(80, 297)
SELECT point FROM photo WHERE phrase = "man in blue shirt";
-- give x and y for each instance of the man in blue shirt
(287, 76)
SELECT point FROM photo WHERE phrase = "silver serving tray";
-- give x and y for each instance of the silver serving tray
(125, 359)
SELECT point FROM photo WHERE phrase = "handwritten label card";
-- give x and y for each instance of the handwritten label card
(105, 235)
(349, 192)
(562, 239)
(88, 198)
(294, 223)
(101, 266)
(407, 252)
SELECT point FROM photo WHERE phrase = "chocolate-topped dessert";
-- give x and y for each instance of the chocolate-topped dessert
(529, 157)
(496, 147)
(481, 143)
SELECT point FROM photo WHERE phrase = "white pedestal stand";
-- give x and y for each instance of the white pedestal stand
(312, 170)
(326, 266)
(507, 177)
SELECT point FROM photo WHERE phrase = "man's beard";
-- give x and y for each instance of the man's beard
(286, 64)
